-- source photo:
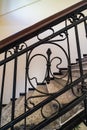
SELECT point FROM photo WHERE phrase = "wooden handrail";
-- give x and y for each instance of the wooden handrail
(34, 29)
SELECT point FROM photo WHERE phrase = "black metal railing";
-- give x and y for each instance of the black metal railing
(29, 61)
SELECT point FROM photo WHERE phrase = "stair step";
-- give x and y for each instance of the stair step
(31, 89)
(72, 113)
(84, 55)
(76, 66)
(68, 96)
(4, 105)
(84, 59)
(62, 82)
(48, 109)
(22, 94)
(12, 99)
(75, 72)
(19, 109)
(53, 86)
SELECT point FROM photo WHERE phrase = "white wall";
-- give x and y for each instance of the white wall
(16, 20)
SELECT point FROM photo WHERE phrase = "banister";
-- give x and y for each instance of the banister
(38, 27)
(38, 63)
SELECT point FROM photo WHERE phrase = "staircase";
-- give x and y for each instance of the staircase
(39, 62)
(49, 109)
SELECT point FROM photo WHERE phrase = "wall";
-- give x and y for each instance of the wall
(16, 20)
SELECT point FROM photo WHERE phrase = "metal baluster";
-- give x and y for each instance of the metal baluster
(85, 102)
(48, 66)
(78, 49)
(14, 87)
(26, 73)
(69, 57)
(2, 87)
(85, 25)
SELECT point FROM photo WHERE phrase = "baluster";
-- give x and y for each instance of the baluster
(85, 102)
(69, 57)
(85, 25)
(14, 87)
(48, 65)
(26, 75)
(78, 47)
(2, 88)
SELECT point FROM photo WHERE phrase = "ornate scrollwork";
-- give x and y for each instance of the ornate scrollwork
(17, 48)
(22, 46)
(48, 59)
(50, 32)
(78, 90)
(55, 105)
(30, 103)
(34, 78)
(60, 37)
(76, 17)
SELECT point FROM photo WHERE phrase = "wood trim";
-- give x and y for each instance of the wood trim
(24, 34)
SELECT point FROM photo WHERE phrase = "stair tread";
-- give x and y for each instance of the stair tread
(53, 86)
(19, 109)
(75, 73)
(64, 98)
(74, 77)
(36, 117)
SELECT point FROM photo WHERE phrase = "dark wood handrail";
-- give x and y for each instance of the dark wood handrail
(34, 29)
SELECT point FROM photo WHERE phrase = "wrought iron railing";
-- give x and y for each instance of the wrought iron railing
(31, 58)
